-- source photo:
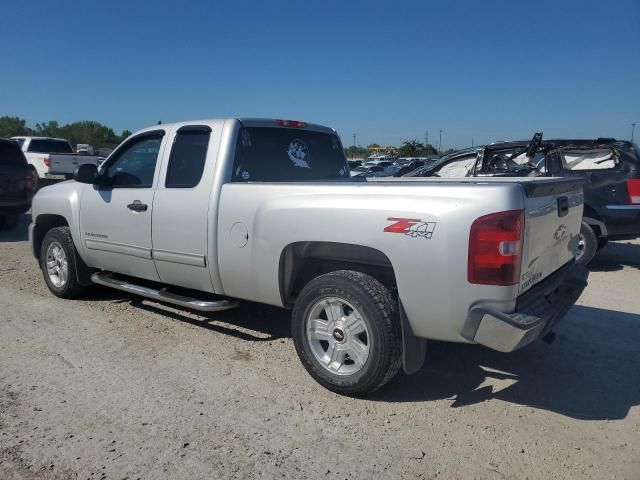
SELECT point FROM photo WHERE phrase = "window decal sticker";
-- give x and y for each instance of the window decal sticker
(299, 154)
(411, 226)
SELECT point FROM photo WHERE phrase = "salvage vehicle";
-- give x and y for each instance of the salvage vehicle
(205, 214)
(365, 171)
(52, 159)
(16, 184)
(609, 168)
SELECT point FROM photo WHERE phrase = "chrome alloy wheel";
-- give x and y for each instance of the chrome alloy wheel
(338, 336)
(582, 245)
(57, 265)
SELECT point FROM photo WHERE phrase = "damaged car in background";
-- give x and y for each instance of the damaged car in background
(609, 168)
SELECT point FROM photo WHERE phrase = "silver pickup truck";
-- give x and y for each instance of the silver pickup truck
(205, 213)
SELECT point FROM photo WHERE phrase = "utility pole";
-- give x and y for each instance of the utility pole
(426, 139)
(472, 141)
(440, 143)
(633, 128)
(354, 146)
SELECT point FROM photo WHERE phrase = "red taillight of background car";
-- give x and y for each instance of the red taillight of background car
(633, 187)
(495, 248)
(47, 161)
(291, 123)
(28, 180)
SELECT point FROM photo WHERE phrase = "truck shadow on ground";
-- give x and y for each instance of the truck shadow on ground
(615, 256)
(591, 372)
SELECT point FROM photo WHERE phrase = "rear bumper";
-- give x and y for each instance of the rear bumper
(622, 221)
(536, 312)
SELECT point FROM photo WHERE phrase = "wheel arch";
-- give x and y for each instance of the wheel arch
(301, 262)
(42, 224)
(591, 217)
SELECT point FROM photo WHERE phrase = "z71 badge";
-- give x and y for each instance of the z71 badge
(411, 226)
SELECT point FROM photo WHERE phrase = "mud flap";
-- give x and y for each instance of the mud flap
(414, 349)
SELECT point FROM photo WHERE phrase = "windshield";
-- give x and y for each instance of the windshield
(265, 154)
(37, 145)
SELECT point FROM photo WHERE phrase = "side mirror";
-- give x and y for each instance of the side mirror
(87, 173)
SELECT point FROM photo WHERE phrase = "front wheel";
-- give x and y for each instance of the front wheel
(58, 263)
(347, 333)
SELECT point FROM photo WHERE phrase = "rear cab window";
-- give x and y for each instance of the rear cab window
(38, 145)
(275, 154)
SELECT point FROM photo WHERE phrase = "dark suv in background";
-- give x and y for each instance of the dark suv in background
(16, 183)
(609, 168)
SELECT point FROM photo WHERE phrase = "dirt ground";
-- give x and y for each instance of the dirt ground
(112, 387)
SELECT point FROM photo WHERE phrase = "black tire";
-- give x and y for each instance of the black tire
(70, 288)
(588, 246)
(377, 307)
(9, 222)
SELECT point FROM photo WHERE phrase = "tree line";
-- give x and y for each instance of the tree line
(101, 136)
(87, 131)
(409, 148)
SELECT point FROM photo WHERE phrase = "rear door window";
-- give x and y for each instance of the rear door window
(49, 146)
(188, 156)
(265, 154)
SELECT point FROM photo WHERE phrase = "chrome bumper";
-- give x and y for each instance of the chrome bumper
(536, 312)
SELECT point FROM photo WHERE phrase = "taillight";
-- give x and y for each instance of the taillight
(291, 123)
(495, 248)
(28, 180)
(633, 187)
(47, 161)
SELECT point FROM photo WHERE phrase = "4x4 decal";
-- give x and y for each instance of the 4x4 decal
(414, 227)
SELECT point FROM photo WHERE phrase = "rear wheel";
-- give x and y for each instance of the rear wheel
(58, 263)
(346, 332)
(587, 244)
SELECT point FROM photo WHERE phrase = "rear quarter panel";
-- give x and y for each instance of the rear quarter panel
(431, 273)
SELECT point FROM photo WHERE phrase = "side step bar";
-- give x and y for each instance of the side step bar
(162, 295)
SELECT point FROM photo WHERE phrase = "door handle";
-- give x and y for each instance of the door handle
(563, 206)
(137, 206)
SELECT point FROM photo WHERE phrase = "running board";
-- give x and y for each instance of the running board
(162, 295)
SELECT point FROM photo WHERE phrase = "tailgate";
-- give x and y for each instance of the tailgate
(552, 224)
(67, 163)
(64, 163)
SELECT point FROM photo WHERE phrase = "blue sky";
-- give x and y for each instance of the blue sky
(387, 71)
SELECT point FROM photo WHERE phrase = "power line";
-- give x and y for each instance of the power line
(354, 146)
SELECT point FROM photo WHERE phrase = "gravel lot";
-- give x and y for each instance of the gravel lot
(110, 386)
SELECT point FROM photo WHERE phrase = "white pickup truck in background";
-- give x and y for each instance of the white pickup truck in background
(52, 158)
